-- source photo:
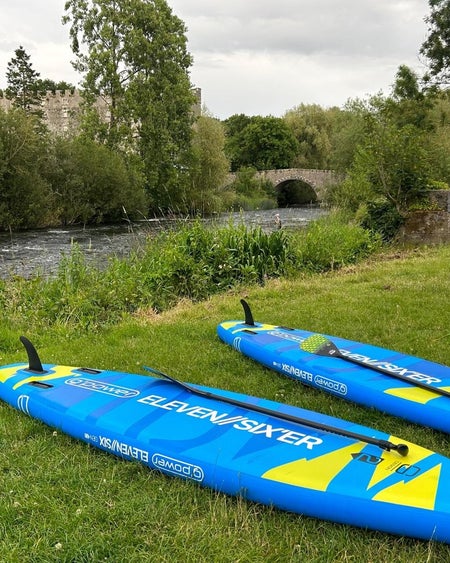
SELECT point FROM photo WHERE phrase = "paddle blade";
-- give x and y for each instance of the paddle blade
(320, 345)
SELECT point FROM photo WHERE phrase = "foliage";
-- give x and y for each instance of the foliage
(436, 47)
(252, 192)
(208, 169)
(264, 143)
(330, 243)
(312, 127)
(92, 183)
(438, 139)
(24, 189)
(234, 126)
(347, 134)
(381, 217)
(409, 105)
(135, 56)
(48, 85)
(395, 162)
(192, 262)
(52, 181)
(23, 85)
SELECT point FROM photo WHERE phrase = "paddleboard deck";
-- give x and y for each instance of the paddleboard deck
(241, 445)
(281, 349)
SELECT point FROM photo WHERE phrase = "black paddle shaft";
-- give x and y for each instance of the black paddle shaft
(329, 349)
(402, 449)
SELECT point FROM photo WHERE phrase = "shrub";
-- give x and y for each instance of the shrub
(329, 244)
(383, 218)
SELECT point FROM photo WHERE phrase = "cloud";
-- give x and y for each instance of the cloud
(255, 56)
(301, 26)
(272, 55)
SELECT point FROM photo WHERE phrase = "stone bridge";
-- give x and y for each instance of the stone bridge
(318, 180)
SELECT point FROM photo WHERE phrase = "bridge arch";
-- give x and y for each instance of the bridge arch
(316, 180)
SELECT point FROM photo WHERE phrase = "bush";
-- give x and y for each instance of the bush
(383, 218)
(329, 244)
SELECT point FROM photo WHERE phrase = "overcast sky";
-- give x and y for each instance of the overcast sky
(257, 57)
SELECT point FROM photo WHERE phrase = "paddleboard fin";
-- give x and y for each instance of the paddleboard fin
(248, 314)
(34, 362)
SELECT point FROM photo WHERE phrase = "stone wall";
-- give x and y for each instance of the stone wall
(429, 227)
(61, 109)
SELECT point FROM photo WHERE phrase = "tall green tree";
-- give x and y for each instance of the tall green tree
(234, 125)
(209, 167)
(436, 47)
(133, 53)
(264, 143)
(24, 190)
(311, 125)
(23, 83)
(409, 104)
(93, 183)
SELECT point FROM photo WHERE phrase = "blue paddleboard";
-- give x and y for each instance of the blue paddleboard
(402, 385)
(279, 455)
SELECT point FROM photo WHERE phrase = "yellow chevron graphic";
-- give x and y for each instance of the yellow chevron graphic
(230, 324)
(382, 470)
(419, 492)
(314, 473)
(57, 372)
(7, 372)
(415, 394)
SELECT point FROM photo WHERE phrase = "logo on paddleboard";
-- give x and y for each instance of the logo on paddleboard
(330, 385)
(178, 467)
(22, 403)
(237, 343)
(102, 387)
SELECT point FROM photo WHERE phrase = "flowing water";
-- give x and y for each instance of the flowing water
(25, 253)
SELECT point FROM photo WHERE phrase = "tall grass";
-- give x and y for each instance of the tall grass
(193, 262)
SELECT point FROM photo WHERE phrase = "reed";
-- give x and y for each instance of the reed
(192, 262)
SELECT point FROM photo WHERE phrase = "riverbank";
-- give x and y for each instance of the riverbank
(62, 501)
(26, 253)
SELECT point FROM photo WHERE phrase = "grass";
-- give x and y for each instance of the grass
(192, 262)
(62, 501)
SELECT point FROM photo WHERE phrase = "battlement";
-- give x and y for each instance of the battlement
(62, 108)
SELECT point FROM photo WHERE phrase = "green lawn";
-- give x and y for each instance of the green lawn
(62, 501)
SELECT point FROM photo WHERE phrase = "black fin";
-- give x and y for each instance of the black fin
(34, 363)
(248, 314)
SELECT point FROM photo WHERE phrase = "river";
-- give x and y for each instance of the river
(25, 253)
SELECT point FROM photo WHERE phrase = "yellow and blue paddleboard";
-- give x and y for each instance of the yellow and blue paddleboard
(279, 455)
(405, 386)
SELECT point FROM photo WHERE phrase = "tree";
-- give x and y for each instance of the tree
(263, 143)
(409, 104)
(394, 162)
(234, 126)
(23, 84)
(92, 183)
(209, 166)
(24, 191)
(436, 47)
(135, 57)
(311, 126)
(48, 85)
